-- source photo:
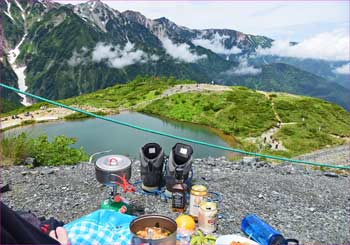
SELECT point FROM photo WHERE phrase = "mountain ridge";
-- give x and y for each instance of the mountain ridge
(106, 47)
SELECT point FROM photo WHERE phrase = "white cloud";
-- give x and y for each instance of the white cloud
(333, 46)
(154, 57)
(180, 51)
(78, 57)
(216, 44)
(344, 69)
(244, 69)
(118, 57)
(114, 56)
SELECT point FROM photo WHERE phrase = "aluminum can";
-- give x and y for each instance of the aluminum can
(198, 195)
(207, 217)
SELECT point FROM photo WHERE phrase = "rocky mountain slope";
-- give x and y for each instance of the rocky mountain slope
(9, 100)
(69, 50)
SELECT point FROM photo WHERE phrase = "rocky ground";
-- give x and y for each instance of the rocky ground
(309, 205)
(339, 155)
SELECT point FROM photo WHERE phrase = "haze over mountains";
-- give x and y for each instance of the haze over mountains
(68, 50)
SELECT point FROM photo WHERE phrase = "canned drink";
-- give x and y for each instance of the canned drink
(198, 194)
(207, 217)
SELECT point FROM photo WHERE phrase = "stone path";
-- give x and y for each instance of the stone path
(267, 138)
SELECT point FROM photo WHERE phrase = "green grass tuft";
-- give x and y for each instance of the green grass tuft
(15, 149)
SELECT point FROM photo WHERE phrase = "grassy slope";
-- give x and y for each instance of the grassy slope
(321, 121)
(125, 96)
(245, 113)
(116, 97)
(241, 112)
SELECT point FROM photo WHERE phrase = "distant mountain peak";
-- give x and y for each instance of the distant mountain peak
(48, 4)
(163, 19)
(96, 4)
(97, 12)
(133, 12)
(136, 16)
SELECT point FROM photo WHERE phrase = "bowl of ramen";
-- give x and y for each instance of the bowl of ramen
(153, 230)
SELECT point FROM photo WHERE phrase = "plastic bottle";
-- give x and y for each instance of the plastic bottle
(258, 230)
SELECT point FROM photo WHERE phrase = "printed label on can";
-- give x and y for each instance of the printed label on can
(195, 201)
(207, 217)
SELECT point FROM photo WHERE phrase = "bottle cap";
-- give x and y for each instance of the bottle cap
(276, 239)
(280, 240)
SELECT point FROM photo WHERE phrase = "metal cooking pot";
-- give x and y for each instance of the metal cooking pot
(144, 221)
(108, 168)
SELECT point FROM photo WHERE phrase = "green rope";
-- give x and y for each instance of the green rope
(171, 135)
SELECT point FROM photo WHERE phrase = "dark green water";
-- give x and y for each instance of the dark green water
(97, 135)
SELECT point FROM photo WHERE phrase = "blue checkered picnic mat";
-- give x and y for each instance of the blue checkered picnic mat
(100, 227)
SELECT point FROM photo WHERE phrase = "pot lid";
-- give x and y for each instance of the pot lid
(113, 163)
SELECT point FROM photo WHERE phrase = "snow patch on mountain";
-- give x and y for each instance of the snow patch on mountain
(22, 10)
(181, 52)
(20, 70)
(8, 13)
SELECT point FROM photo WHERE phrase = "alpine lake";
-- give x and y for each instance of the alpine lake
(96, 135)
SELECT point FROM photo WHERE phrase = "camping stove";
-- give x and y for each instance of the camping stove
(113, 171)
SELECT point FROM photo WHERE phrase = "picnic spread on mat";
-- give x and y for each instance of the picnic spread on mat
(197, 208)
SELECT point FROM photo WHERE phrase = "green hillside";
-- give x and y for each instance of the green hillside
(311, 123)
(308, 123)
(285, 78)
(245, 113)
(139, 90)
(8, 77)
(119, 96)
(317, 122)
(241, 112)
(6, 105)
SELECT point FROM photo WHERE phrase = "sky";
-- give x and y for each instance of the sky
(292, 20)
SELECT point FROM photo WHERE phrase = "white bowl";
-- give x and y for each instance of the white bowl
(228, 239)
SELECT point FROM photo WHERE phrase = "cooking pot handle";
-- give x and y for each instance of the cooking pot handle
(97, 153)
(137, 241)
